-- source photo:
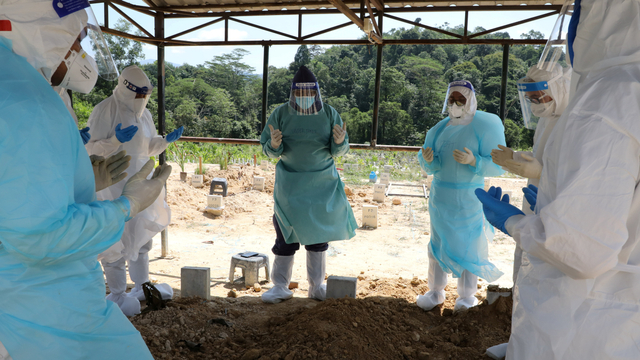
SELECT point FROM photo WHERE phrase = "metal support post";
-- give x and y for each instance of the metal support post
(376, 98)
(503, 86)
(159, 33)
(265, 84)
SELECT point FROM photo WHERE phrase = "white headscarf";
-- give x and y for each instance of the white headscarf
(559, 80)
(466, 89)
(39, 34)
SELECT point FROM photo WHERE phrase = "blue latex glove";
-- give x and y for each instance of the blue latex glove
(531, 194)
(126, 134)
(175, 135)
(496, 207)
(84, 134)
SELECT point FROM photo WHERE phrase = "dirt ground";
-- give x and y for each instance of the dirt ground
(390, 262)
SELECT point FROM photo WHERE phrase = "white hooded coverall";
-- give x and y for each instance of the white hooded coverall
(571, 301)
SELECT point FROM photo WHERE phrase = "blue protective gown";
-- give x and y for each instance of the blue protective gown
(459, 231)
(52, 303)
(310, 203)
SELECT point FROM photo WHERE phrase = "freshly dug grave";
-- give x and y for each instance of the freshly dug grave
(373, 327)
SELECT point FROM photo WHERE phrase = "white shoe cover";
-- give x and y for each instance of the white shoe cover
(166, 291)
(139, 273)
(497, 352)
(129, 306)
(463, 304)
(430, 300)
(281, 276)
(316, 269)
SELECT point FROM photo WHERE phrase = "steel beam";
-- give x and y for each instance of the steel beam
(159, 32)
(503, 85)
(376, 98)
(256, 142)
(265, 87)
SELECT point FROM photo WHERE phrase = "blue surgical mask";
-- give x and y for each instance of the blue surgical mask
(305, 102)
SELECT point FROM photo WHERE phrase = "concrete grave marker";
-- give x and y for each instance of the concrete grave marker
(258, 183)
(388, 168)
(385, 178)
(197, 180)
(341, 286)
(195, 281)
(264, 164)
(370, 216)
(379, 192)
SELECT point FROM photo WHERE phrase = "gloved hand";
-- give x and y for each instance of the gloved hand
(501, 156)
(530, 167)
(465, 157)
(141, 192)
(84, 134)
(126, 134)
(531, 194)
(175, 135)
(339, 133)
(427, 154)
(276, 137)
(497, 211)
(109, 171)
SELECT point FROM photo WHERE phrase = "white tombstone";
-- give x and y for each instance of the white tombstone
(214, 205)
(385, 178)
(197, 180)
(258, 183)
(370, 216)
(388, 168)
(379, 192)
(264, 164)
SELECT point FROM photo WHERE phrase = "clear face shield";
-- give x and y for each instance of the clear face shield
(457, 98)
(305, 98)
(142, 96)
(558, 48)
(535, 101)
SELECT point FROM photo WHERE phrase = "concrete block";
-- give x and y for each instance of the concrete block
(385, 178)
(264, 164)
(214, 201)
(195, 281)
(258, 183)
(341, 286)
(388, 168)
(197, 181)
(370, 216)
(378, 192)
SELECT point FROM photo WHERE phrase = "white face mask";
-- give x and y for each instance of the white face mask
(543, 110)
(456, 111)
(139, 106)
(82, 72)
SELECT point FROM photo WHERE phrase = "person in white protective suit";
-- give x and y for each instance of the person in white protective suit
(541, 107)
(544, 94)
(52, 228)
(577, 292)
(127, 108)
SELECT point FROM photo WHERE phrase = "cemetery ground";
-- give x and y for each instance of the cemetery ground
(390, 262)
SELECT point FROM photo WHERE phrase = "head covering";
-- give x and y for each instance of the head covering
(558, 79)
(308, 101)
(131, 82)
(465, 88)
(605, 33)
(38, 33)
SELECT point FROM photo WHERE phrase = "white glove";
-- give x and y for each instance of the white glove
(141, 192)
(339, 133)
(466, 157)
(427, 154)
(529, 167)
(111, 170)
(276, 137)
(501, 156)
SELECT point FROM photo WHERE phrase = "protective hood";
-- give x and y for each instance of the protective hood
(38, 33)
(558, 79)
(305, 98)
(607, 34)
(133, 81)
(468, 111)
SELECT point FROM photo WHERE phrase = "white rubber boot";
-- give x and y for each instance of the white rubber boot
(117, 279)
(281, 276)
(139, 273)
(467, 288)
(316, 269)
(497, 352)
(437, 281)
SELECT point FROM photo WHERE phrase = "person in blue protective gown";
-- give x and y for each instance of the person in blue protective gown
(311, 207)
(457, 152)
(52, 303)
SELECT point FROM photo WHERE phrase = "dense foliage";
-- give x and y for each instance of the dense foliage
(222, 98)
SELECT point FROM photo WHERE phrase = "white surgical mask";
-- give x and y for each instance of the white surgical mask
(456, 111)
(82, 72)
(543, 110)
